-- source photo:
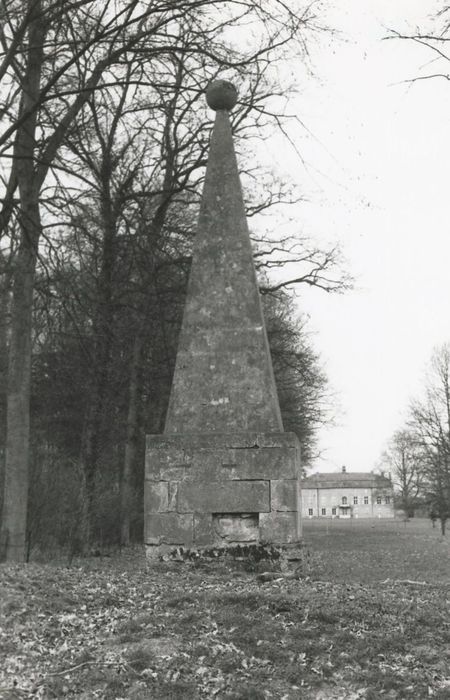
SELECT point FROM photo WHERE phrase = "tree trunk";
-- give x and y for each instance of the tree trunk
(443, 522)
(13, 533)
(103, 338)
(5, 289)
(131, 439)
(18, 400)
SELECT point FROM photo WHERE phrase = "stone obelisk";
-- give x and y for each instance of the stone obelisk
(224, 471)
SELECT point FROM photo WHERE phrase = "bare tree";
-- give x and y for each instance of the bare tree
(403, 458)
(433, 43)
(431, 426)
(314, 266)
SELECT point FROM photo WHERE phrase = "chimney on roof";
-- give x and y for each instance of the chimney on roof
(344, 469)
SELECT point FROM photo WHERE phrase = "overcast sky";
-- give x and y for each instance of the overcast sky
(377, 178)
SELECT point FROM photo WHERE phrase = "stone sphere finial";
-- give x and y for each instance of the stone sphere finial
(221, 94)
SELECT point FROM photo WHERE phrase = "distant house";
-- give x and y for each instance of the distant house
(347, 495)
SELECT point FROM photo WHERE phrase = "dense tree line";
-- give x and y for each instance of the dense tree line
(103, 147)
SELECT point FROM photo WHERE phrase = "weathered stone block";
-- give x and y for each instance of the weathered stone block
(217, 440)
(173, 491)
(173, 473)
(205, 450)
(169, 528)
(223, 497)
(283, 495)
(207, 464)
(204, 534)
(240, 440)
(262, 463)
(278, 528)
(192, 441)
(234, 528)
(165, 442)
(278, 440)
(158, 460)
(156, 496)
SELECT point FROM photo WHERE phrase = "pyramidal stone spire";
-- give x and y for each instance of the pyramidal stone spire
(224, 472)
(223, 378)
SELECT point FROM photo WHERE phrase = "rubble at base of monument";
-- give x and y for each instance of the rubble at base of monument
(252, 555)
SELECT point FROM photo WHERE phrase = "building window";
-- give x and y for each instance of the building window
(310, 511)
(379, 500)
(366, 500)
(333, 511)
(387, 500)
(324, 511)
(344, 500)
(355, 500)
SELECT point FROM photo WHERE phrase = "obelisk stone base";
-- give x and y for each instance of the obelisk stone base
(217, 489)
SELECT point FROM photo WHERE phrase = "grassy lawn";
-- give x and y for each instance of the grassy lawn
(368, 617)
(365, 551)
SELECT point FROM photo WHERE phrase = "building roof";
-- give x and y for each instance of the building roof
(352, 480)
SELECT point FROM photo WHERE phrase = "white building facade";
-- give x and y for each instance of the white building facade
(347, 495)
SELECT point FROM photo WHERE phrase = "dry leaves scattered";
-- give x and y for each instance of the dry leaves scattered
(123, 629)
